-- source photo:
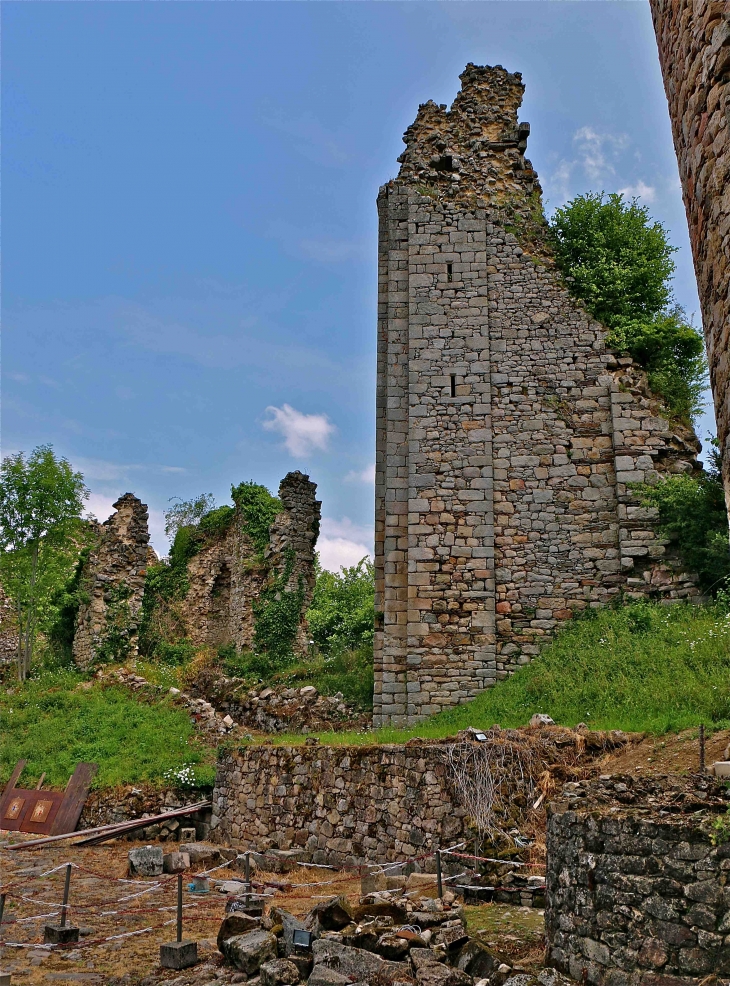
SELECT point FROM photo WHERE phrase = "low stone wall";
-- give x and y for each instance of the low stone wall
(121, 804)
(638, 896)
(386, 803)
(339, 804)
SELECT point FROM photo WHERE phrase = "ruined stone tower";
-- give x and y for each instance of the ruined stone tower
(112, 583)
(506, 432)
(693, 37)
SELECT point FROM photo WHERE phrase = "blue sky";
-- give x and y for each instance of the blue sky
(189, 225)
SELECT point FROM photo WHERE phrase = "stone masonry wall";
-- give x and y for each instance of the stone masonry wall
(388, 802)
(636, 897)
(507, 434)
(226, 577)
(112, 583)
(337, 804)
(693, 37)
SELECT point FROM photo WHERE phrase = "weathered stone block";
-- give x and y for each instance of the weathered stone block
(146, 861)
(178, 954)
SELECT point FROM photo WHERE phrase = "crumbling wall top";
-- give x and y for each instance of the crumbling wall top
(478, 145)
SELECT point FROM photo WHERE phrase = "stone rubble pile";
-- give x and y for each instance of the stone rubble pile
(204, 715)
(280, 710)
(419, 941)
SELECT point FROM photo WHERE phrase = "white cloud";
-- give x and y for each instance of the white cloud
(366, 475)
(303, 433)
(343, 543)
(640, 191)
(100, 505)
(598, 152)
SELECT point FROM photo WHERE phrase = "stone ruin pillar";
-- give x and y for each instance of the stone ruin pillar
(693, 37)
(112, 586)
(295, 530)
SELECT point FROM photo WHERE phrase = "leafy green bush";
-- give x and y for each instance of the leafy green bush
(342, 613)
(620, 264)
(346, 671)
(258, 508)
(693, 516)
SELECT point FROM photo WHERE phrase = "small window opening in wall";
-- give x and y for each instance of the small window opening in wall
(449, 272)
(453, 385)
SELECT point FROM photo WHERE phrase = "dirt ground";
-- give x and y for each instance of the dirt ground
(669, 754)
(123, 923)
(146, 918)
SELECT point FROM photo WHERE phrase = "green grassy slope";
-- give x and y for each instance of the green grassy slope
(639, 668)
(55, 721)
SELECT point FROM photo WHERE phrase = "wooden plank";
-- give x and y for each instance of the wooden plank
(17, 771)
(116, 826)
(74, 798)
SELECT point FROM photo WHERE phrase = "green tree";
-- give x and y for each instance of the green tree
(619, 263)
(187, 513)
(41, 499)
(342, 613)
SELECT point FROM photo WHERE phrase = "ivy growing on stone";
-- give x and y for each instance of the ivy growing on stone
(116, 643)
(258, 509)
(277, 612)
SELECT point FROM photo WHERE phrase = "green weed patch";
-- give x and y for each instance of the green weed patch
(53, 723)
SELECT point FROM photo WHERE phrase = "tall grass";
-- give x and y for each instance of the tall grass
(643, 668)
(54, 721)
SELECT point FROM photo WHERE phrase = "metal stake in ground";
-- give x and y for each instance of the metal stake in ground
(702, 748)
(179, 954)
(4, 976)
(247, 877)
(439, 882)
(62, 933)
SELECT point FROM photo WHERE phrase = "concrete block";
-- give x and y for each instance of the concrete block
(4, 979)
(55, 934)
(178, 954)
(187, 835)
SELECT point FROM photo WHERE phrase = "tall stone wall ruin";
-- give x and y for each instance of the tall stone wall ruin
(112, 585)
(693, 37)
(507, 434)
(226, 577)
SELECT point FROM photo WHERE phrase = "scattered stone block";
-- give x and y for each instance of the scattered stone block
(324, 976)
(392, 947)
(178, 954)
(476, 959)
(421, 881)
(175, 862)
(187, 835)
(200, 852)
(436, 974)
(279, 972)
(355, 962)
(147, 861)
(4, 979)
(372, 881)
(542, 719)
(249, 951)
(236, 924)
(330, 915)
